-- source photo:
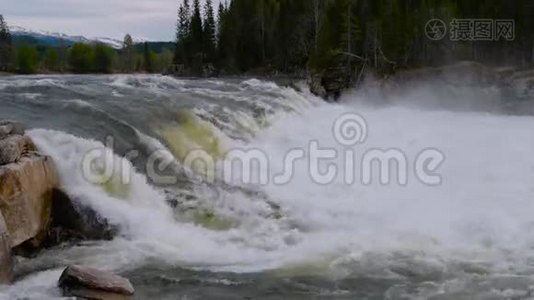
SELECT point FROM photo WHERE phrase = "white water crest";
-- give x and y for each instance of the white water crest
(483, 205)
(475, 226)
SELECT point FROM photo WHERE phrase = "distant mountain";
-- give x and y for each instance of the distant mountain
(44, 38)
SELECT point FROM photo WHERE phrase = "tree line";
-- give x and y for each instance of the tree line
(295, 36)
(79, 57)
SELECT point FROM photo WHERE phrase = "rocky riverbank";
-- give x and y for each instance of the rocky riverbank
(36, 214)
(28, 180)
(512, 82)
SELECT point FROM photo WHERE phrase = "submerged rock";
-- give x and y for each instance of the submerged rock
(89, 283)
(209, 219)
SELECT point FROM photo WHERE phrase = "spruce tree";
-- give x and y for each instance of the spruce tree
(196, 35)
(62, 55)
(128, 53)
(330, 37)
(209, 32)
(220, 20)
(223, 38)
(182, 34)
(147, 59)
(292, 35)
(5, 45)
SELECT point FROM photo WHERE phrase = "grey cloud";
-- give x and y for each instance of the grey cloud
(154, 19)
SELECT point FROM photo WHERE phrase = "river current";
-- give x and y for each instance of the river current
(467, 236)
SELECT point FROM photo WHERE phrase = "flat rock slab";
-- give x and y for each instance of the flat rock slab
(89, 283)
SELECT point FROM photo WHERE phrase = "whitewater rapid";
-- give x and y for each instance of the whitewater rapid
(467, 237)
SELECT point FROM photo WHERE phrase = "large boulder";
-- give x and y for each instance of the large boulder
(6, 260)
(26, 192)
(89, 283)
(37, 214)
(27, 180)
(72, 222)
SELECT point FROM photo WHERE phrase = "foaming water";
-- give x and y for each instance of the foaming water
(147, 225)
(485, 176)
(467, 237)
(476, 221)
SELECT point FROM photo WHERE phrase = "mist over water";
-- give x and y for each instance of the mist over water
(468, 238)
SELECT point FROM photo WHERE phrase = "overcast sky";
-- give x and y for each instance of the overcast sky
(149, 19)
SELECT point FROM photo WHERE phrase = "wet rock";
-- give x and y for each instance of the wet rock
(334, 82)
(198, 70)
(14, 147)
(5, 131)
(36, 213)
(6, 260)
(8, 128)
(89, 283)
(208, 70)
(26, 191)
(330, 83)
(316, 86)
(72, 221)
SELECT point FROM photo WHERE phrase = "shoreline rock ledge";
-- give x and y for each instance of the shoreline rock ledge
(34, 212)
(89, 283)
(27, 183)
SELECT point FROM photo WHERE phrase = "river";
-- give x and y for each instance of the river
(462, 231)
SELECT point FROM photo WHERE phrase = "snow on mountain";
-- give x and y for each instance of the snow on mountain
(111, 42)
(41, 34)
